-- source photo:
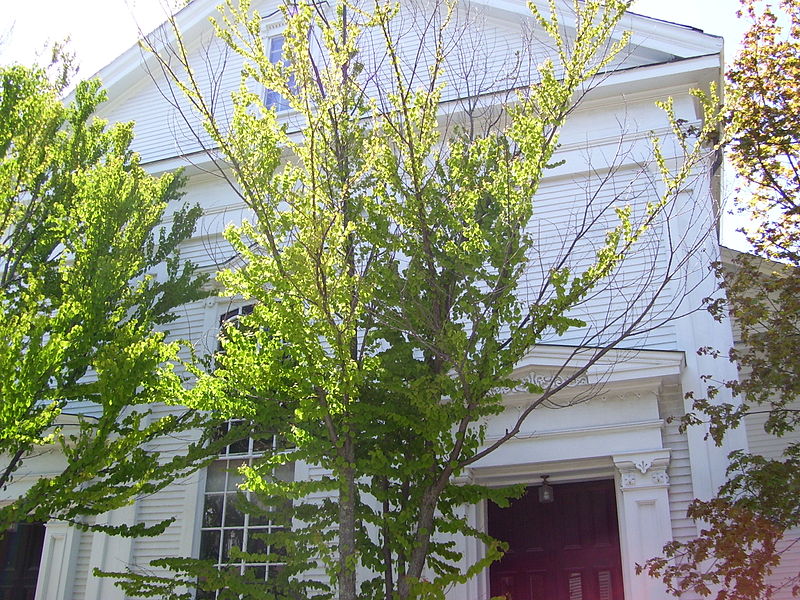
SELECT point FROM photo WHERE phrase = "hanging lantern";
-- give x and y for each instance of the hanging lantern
(545, 491)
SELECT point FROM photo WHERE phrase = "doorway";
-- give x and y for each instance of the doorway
(20, 555)
(567, 549)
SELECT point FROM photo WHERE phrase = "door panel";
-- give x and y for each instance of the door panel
(20, 555)
(565, 550)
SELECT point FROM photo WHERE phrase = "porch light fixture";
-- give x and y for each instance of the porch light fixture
(545, 491)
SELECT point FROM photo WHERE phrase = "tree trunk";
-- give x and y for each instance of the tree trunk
(421, 541)
(347, 526)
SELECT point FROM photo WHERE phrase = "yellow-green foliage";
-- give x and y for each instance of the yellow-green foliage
(79, 305)
(385, 259)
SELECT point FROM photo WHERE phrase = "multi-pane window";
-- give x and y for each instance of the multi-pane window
(226, 523)
(273, 98)
(233, 314)
(233, 518)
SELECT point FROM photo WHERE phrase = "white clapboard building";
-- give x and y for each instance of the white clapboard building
(621, 473)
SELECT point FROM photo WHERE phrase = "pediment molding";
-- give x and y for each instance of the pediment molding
(654, 39)
(617, 371)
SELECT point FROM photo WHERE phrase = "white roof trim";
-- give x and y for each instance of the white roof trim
(617, 366)
(670, 38)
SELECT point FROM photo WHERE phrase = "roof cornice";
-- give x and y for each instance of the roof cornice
(683, 41)
(119, 72)
(679, 40)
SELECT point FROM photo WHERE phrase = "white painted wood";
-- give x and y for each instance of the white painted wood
(619, 414)
(58, 556)
(670, 405)
(643, 506)
(109, 554)
(82, 562)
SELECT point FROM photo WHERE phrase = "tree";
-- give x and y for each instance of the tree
(747, 524)
(88, 280)
(389, 262)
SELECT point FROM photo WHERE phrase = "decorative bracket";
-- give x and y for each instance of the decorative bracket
(641, 470)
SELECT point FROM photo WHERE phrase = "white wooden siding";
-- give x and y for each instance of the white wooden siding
(81, 569)
(165, 122)
(558, 214)
(589, 145)
(485, 62)
(670, 404)
(771, 446)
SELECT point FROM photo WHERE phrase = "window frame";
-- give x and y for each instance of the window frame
(273, 99)
(221, 481)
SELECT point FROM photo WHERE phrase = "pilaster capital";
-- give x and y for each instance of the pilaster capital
(642, 470)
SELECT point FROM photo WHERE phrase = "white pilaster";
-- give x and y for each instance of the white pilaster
(192, 514)
(475, 588)
(56, 570)
(111, 554)
(644, 519)
(693, 219)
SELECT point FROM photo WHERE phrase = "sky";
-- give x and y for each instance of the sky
(101, 30)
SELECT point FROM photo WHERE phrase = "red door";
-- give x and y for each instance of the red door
(20, 554)
(564, 550)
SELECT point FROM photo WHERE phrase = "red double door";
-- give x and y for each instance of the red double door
(20, 555)
(564, 550)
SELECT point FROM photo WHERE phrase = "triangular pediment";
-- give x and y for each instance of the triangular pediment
(578, 368)
(509, 40)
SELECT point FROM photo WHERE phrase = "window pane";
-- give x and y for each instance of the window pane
(285, 506)
(285, 472)
(232, 538)
(261, 444)
(259, 573)
(273, 99)
(234, 517)
(204, 595)
(275, 48)
(239, 447)
(274, 571)
(209, 545)
(212, 510)
(259, 515)
(215, 477)
(234, 477)
(256, 544)
(278, 550)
